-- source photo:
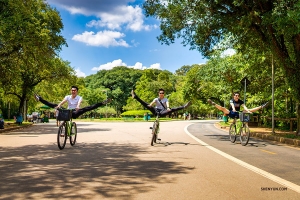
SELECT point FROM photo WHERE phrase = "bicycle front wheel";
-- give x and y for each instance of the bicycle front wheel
(154, 133)
(232, 133)
(61, 136)
(245, 134)
(73, 134)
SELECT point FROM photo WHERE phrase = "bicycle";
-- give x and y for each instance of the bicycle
(155, 130)
(240, 128)
(67, 129)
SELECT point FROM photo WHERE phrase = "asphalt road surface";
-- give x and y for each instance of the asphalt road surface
(194, 160)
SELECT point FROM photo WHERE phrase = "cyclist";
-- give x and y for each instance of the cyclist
(235, 105)
(74, 102)
(162, 104)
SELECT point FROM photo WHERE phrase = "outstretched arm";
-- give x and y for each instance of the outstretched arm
(168, 105)
(78, 104)
(61, 103)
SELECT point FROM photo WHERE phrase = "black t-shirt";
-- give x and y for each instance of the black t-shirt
(237, 104)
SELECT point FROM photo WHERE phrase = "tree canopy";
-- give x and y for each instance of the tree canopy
(208, 25)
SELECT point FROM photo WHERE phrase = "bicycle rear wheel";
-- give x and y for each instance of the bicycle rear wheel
(245, 134)
(154, 133)
(73, 134)
(232, 133)
(61, 136)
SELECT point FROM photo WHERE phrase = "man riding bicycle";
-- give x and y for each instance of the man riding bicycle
(162, 106)
(235, 105)
(74, 101)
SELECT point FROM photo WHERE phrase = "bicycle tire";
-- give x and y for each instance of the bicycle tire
(232, 133)
(244, 135)
(73, 134)
(61, 136)
(154, 131)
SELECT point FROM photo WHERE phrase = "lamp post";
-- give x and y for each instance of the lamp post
(105, 104)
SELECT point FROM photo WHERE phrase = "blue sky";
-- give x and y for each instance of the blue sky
(102, 34)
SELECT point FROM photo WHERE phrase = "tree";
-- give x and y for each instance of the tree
(29, 41)
(118, 82)
(264, 25)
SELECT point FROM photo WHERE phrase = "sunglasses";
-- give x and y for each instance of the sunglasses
(73, 90)
(237, 95)
(161, 93)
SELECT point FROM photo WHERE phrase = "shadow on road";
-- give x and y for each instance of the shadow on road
(104, 169)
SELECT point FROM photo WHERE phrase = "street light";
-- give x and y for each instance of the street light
(105, 103)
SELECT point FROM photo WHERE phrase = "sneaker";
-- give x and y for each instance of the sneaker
(265, 105)
(36, 97)
(133, 94)
(107, 101)
(211, 102)
(187, 104)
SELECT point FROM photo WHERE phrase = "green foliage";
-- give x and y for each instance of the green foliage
(211, 25)
(29, 41)
(118, 82)
(134, 113)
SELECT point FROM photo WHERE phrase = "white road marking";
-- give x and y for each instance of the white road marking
(268, 175)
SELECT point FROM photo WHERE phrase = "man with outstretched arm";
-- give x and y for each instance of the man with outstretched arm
(74, 101)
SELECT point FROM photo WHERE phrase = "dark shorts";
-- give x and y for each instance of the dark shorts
(233, 114)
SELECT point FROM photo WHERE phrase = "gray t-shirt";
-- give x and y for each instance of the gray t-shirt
(158, 104)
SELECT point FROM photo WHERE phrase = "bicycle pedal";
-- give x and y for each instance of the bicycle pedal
(151, 127)
(159, 139)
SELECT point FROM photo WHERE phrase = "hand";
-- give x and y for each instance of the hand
(77, 108)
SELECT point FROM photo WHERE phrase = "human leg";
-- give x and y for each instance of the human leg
(145, 104)
(39, 98)
(223, 109)
(167, 112)
(79, 112)
(259, 107)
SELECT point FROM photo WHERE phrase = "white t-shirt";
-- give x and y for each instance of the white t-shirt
(72, 103)
(158, 105)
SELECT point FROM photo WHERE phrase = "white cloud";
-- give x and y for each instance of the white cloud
(155, 66)
(130, 16)
(101, 38)
(119, 62)
(138, 65)
(110, 65)
(79, 73)
(112, 14)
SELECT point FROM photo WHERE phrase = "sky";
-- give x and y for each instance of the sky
(102, 34)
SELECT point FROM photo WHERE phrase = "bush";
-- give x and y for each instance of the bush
(134, 113)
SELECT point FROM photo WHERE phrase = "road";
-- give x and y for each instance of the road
(115, 161)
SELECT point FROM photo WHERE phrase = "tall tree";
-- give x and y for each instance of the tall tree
(29, 42)
(265, 25)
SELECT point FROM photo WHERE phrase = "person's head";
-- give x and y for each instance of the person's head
(74, 90)
(161, 93)
(236, 95)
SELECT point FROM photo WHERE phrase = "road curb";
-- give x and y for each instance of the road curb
(14, 128)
